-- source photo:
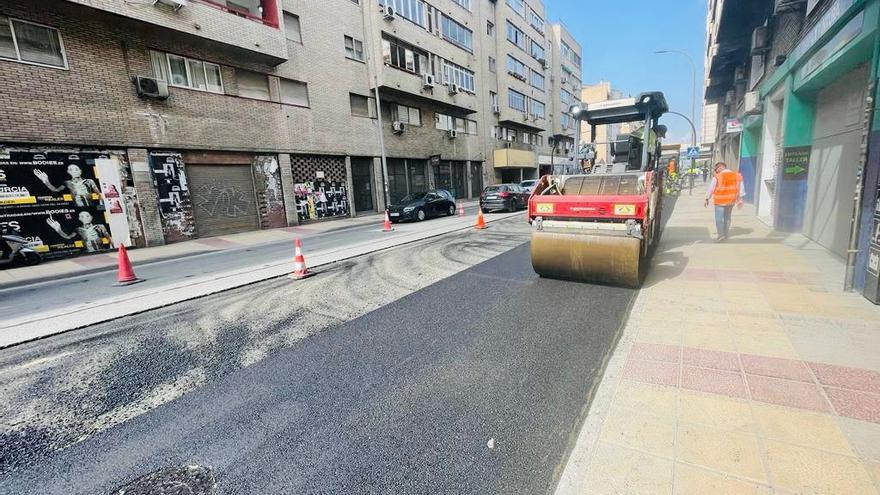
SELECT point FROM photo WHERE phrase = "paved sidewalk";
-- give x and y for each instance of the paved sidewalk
(88, 264)
(744, 368)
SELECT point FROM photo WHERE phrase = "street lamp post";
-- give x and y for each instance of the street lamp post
(693, 94)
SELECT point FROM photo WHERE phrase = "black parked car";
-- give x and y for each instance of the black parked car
(510, 197)
(422, 205)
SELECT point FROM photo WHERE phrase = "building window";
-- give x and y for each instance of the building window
(405, 114)
(186, 72)
(291, 27)
(537, 51)
(537, 109)
(536, 21)
(252, 84)
(354, 49)
(294, 93)
(31, 43)
(518, 6)
(536, 79)
(464, 3)
(493, 99)
(456, 74)
(413, 10)
(490, 28)
(456, 33)
(362, 106)
(516, 68)
(565, 98)
(493, 66)
(566, 121)
(516, 100)
(404, 57)
(447, 122)
(569, 54)
(516, 36)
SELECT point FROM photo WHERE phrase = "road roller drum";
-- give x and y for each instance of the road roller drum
(608, 259)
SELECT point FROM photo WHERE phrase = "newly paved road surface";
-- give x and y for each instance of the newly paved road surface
(405, 398)
(34, 298)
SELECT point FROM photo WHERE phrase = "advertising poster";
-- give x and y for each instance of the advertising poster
(175, 205)
(796, 162)
(320, 199)
(56, 200)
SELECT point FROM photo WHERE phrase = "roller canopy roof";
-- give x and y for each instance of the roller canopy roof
(625, 109)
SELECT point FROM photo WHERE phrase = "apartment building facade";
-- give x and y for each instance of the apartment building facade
(795, 83)
(147, 122)
(605, 134)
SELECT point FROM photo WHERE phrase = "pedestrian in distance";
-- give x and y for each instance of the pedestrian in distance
(705, 170)
(725, 190)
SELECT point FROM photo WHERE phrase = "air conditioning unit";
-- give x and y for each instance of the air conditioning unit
(543, 62)
(739, 74)
(428, 80)
(177, 4)
(452, 133)
(760, 40)
(453, 89)
(564, 81)
(496, 109)
(150, 87)
(752, 103)
(398, 127)
(525, 117)
(388, 12)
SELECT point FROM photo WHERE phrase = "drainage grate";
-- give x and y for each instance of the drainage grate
(185, 480)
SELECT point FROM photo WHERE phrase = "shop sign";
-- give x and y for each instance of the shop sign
(64, 202)
(733, 125)
(828, 19)
(795, 162)
(848, 33)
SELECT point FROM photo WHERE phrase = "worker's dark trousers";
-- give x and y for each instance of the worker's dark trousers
(722, 219)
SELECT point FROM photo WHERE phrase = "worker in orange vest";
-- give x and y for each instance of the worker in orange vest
(725, 190)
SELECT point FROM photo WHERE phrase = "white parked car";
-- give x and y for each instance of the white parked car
(528, 185)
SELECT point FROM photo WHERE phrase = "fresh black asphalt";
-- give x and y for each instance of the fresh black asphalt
(401, 400)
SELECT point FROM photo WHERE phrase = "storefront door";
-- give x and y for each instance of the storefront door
(223, 199)
(362, 181)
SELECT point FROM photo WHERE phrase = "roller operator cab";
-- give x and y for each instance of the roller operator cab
(603, 225)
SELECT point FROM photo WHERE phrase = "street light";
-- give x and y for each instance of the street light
(693, 93)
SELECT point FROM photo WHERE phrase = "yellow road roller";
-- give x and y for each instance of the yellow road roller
(602, 226)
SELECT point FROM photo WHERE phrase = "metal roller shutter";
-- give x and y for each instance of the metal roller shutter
(223, 199)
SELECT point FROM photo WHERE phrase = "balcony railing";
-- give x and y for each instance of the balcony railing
(269, 8)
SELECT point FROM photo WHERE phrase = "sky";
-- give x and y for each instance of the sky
(618, 39)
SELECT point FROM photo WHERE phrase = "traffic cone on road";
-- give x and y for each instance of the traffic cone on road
(481, 223)
(299, 263)
(461, 209)
(387, 225)
(125, 275)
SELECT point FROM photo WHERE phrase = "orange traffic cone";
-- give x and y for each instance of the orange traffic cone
(125, 275)
(387, 226)
(481, 223)
(461, 209)
(299, 262)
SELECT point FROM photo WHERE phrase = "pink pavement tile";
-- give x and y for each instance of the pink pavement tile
(706, 358)
(845, 377)
(773, 277)
(787, 393)
(655, 352)
(651, 372)
(713, 381)
(736, 275)
(852, 404)
(776, 367)
(805, 278)
(96, 260)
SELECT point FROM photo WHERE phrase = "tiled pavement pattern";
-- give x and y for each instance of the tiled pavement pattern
(744, 368)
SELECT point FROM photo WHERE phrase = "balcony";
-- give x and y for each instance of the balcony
(521, 120)
(393, 80)
(253, 32)
(515, 158)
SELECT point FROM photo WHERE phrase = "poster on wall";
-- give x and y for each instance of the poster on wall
(320, 199)
(56, 200)
(169, 177)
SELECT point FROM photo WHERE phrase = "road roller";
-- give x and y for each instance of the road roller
(603, 225)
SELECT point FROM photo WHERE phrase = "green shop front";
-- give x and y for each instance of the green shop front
(818, 116)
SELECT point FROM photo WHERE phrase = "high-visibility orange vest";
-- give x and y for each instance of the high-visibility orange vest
(726, 187)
